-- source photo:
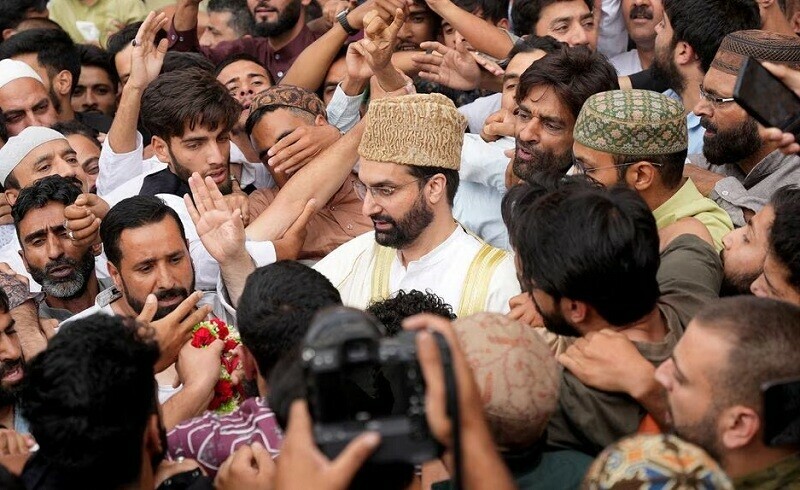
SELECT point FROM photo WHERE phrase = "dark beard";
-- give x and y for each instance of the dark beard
(55, 100)
(137, 304)
(555, 322)
(184, 173)
(736, 283)
(70, 287)
(285, 22)
(541, 161)
(702, 433)
(731, 146)
(9, 395)
(408, 229)
(665, 69)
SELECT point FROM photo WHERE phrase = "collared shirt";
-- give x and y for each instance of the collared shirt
(338, 222)
(102, 15)
(688, 202)
(696, 131)
(443, 271)
(737, 191)
(784, 475)
(277, 62)
(478, 110)
(60, 314)
(211, 438)
(627, 63)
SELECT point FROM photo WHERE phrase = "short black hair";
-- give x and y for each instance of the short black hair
(88, 398)
(392, 311)
(133, 212)
(276, 307)
(573, 73)
(593, 245)
(548, 44)
(123, 38)
(240, 57)
(784, 237)
(425, 173)
(703, 24)
(97, 57)
(492, 10)
(189, 97)
(53, 188)
(68, 128)
(4, 306)
(669, 166)
(54, 49)
(38, 23)
(178, 60)
(241, 19)
(525, 14)
(12, 12)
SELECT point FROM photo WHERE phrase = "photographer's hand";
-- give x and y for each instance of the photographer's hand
(478, 449)
(301, 465)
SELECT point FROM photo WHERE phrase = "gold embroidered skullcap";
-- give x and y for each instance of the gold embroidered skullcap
(423, 130)
(290, 97)
(761, 45)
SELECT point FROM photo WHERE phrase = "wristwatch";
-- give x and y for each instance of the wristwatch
(342, 18)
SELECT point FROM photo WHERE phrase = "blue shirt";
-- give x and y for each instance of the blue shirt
(696, 131)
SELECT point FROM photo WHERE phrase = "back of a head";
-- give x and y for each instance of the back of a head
(764, 334)
(13, 11)
(525, 14)
(516, 374)
(177, 60)
(655, 462)
(276, 307)
(392, 311)
(784, 237)
(68, 128)
(54, 48)
(533, 42)
(88, 398)
(185, 99)
(122, 39)
(703, 24)
(573, 73)
(241, 19)
(37, 23)
(592, 245)
(490, 10)
(133, 212)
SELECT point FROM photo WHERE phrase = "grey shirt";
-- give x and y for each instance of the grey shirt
(737, 191)
(59, 314)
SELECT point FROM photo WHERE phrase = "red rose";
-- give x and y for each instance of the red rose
(202, 337)
(230, 344)
(221, 327)
(216, 402)
(230, 363)
(224, 389)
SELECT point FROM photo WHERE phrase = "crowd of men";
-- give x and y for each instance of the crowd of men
(566, 190)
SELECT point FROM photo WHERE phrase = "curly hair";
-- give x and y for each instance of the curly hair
(392, 311)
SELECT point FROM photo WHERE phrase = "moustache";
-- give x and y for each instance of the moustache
(641, 12)
(384, 218)
(163, 294)
(707, 124)
(60, 262)
(8, 366)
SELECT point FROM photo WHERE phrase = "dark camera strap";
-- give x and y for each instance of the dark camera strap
(451, 395)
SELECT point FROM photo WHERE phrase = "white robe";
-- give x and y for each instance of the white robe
(442, 271)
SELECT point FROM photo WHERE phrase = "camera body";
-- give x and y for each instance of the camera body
(357, 381)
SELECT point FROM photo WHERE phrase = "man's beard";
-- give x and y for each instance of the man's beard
(137, 304)
(408, 228)
(286, 20)
(68, 287)
(736, 283)
(184, 173)
(9, 395)
(555, 322)
(702, 433)
(664, 68)
(541, 161)
(731, 146)
(54, 99)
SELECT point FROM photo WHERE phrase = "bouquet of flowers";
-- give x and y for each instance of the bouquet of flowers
(226, 396)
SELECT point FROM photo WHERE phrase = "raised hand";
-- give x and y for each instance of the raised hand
(454, 68)
(147, 57)
(357, 67)
(497, 125)
(83, 217)
(380, 39)
(220, 228)
(298, 148)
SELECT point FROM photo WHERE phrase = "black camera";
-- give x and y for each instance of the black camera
(358, 380)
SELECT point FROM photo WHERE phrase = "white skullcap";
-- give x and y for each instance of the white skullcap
(11, 70)
(20, 145)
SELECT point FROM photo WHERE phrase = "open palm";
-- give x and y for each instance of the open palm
(221, 229)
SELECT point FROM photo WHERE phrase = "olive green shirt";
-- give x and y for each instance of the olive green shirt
(689, 203)
(782, 476)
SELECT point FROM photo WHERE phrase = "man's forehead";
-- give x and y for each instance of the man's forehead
(564, 9)
(521, 61)
(372, 172)
(21, 89)
(719, 82)
(543, 100)
(151, 240)
(51, 148)
(49, 216)
(240, 69)
(763, 219)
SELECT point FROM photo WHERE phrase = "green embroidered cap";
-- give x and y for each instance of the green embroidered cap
(631, 123)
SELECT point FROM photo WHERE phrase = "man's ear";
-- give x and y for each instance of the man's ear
(320, 120)
(161, 150)
(113, 272)
(24, 260)
(502, 24)
(684, 54)
(641, 176)
(438, 188)
(62, 83)
(739, 426)
(575, 312)
(795, 22)
(11, 196)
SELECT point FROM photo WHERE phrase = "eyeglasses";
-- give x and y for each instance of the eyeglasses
(713, 99)
(582, 169)
(380, 193)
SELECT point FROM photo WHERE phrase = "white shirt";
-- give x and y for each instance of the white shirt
(612, 36)
(442, 271)
(478, 110)
(344, 111)
(627, 63)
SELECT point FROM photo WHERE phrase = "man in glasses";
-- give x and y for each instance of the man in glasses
(638, 139)
(739, 168)
(410, 156)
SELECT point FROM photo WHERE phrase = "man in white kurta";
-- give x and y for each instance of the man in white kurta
(417, 244)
